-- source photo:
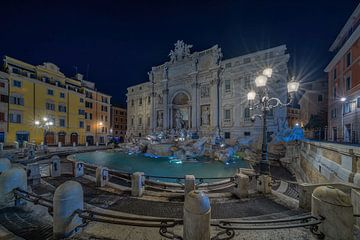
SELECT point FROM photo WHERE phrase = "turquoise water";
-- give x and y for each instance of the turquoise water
(162, 166)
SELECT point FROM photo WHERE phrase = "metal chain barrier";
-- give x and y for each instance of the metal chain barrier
(307, 221)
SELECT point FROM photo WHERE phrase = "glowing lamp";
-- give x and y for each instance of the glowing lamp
(293, 86)
(37, 122)
(343, 99)
(268, 72)
(45, 119)
(260, 81)
(251, 95)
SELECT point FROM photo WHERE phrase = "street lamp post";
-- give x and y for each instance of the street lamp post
(266, 104)
(45, 123)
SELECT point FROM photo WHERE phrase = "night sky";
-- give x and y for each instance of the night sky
(115, 43)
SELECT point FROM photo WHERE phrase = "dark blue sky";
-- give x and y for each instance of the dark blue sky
(120, 41)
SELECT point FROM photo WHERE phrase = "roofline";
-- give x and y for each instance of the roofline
(345, 28)
(352, 39)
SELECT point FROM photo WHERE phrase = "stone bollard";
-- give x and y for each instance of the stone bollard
(241, 190)
(16, 145)
(86, 144)
(1, 146)
(264, 184)
(197, 216)
(189, 184)
(5, 164)
(97, 144)
(335, 207)
(102, 176)
(68, 198)
(74, 144)
(9, 180)
(137, 184)
(78, 169)
(55, 166)
(59, 144)
(33, 173)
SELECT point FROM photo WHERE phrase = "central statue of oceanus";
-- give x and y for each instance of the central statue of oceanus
(179, 120)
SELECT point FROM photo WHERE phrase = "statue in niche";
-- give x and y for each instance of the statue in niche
(205, 116)
(179, 120)
(159, 120)
(160, 99)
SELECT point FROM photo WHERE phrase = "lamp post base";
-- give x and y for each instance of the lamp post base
(264, 167)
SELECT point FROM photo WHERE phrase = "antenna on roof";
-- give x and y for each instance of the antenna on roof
(87, 71)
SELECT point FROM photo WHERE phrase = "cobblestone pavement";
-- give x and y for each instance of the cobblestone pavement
(122, 201)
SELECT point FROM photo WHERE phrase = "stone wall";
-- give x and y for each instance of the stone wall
(321, 162)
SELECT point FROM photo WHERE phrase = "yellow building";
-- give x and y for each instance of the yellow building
(38, 92)
(97, 114)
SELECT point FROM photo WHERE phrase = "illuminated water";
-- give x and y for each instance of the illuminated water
(162, 166)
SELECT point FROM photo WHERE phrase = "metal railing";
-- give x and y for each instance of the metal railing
(229, 226)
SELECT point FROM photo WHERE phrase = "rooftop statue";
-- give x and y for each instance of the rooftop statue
(181, 51)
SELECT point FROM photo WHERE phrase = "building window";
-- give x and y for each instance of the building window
(106, 118)
(50, 106)
(320, 98)
(2, 137)
(62, 95)
(17, 83)
(140, 121)
(62, 108)
(88, 104)
(62, 122)
(247, 113)
(132, 121)
(348, 59)
(2, 117)
(81, 124)
(333, 113)
(358, 102)
(17, 100)
(227, 115)
(140, 101)
(90, 116)
(247, 81)
(227, 86)
(88, 128)
(2, 84)
(104, 108)
(81, 100)
(4, 98)
(227, 135)
(149, 99)
(81, 112)
(132, 102)
(50, 92)
(347, 107)
(247, 133)
(334, 92)
(15, 118)
(348, 83)
(334, 73)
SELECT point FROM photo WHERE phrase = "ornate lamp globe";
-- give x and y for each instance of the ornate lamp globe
(260, 81)
(293, 86)
(251, 95)
(267, 72)
(343, 99)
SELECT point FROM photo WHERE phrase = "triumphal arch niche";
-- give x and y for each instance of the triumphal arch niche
(181, 111)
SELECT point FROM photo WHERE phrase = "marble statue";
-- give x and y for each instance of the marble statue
(159, 120)
(217, 56)
(181, 51)
(179, 120)
(165, 72)
(160, 98)
(205, 116)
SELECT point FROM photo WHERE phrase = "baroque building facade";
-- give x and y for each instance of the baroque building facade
(205, 94)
